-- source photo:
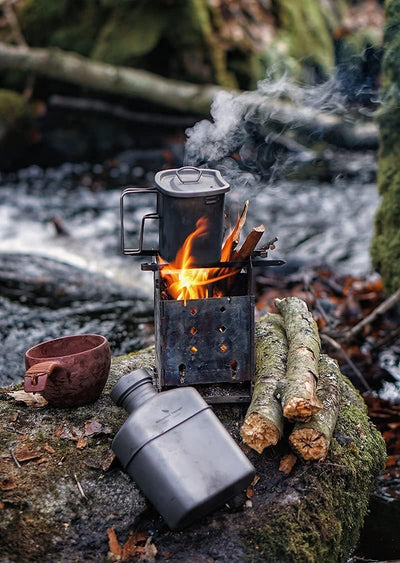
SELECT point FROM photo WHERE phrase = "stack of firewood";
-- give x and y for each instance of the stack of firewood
(293, 381)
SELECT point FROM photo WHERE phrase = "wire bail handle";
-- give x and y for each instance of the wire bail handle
(181, 170)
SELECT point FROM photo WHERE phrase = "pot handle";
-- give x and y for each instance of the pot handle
(140, 251)
(36, 376)
(188, 168)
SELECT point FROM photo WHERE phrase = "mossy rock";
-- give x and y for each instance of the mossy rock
(312, 515)
(385, 248)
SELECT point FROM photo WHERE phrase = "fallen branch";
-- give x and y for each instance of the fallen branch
(183, 96)
(263, 425)
(298, 389)
(310, 440)
(380, 310)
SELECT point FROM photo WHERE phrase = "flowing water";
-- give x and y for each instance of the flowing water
(317, 221)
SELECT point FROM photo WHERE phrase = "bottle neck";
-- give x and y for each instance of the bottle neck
(138, 395)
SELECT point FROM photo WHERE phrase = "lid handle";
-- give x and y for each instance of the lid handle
(185, 168)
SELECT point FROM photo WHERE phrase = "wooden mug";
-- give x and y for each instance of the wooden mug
(70, 371)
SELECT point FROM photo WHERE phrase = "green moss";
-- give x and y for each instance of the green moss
(305, 29)
(385, 248)
(39, 17)
(130, 33)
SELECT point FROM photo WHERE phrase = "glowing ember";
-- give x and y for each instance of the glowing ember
(183, 281)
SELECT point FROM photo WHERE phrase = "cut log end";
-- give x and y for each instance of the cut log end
(300, 409)
(259, 433)
(310, 444)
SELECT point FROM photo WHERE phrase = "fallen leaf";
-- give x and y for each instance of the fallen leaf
(23, 453)
(131, 547)
(30, 399)
(107, 460)
(92, 427)
(287, 463)
(42, 460)
(81, 443)
(7, 484)
(149, 551)
(14, 417)
(49, 449)
(113, 543)
(250, 492)
(2, 505)
(255, 480)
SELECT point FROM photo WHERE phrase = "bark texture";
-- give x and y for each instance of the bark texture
(311, 440)
(298, 389)
(263, 425)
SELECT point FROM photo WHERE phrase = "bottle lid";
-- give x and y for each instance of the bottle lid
(189, 181)
(129, 383)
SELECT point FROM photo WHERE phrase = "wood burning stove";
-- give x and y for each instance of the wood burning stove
(203, 300)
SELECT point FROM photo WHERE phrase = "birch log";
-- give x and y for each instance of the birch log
(298, 389)
(263, 425)
(310, 440)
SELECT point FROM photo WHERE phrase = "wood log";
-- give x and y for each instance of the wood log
(182, 96)
(263, 425)
(233, 238)
(298, 389)
(310, 440)
(245, 251)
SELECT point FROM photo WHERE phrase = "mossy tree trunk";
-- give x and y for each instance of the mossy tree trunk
(385, 247)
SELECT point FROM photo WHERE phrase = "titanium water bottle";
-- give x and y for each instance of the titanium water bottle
(176, 450)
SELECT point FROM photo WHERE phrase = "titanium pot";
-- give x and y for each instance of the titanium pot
(184, 196)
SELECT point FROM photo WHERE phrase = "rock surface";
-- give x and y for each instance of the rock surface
(60, 504)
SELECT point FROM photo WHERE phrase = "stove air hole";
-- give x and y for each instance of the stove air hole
(193, 311)
(222, 328)
(222, 309)
(182, 372)
(193, 349)
(193, 330)
(234, 366)
(223, 348)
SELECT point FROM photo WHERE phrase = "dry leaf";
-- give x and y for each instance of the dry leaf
(131, 547)
(287, 463)
(107, 460)
(92, 427)
(7, 484)
(250, 492)
(81, 443)
(255, 480)
(42, 460)
(113, 543)
(14, 417)
(30, 399)
(23, 453)
(49, 449)
(2, 505)
(149, 551)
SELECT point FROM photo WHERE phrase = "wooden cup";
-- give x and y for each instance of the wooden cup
(70, 371)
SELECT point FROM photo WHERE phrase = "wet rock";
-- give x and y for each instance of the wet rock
(314, 514)
(42, 298)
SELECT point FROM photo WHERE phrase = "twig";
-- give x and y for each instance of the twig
(347, 359)
(13, 429)
(310, 289)
(80, 487)
(17, 463)
(380, 310)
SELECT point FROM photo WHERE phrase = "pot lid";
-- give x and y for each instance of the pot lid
(189, 181)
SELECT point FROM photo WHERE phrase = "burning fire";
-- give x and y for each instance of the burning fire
(186, 282)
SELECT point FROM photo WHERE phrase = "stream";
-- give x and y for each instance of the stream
(62, 224)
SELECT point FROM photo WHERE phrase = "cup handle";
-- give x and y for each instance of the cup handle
(36, 376)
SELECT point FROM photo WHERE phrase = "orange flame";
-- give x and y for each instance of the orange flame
(186, 282)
